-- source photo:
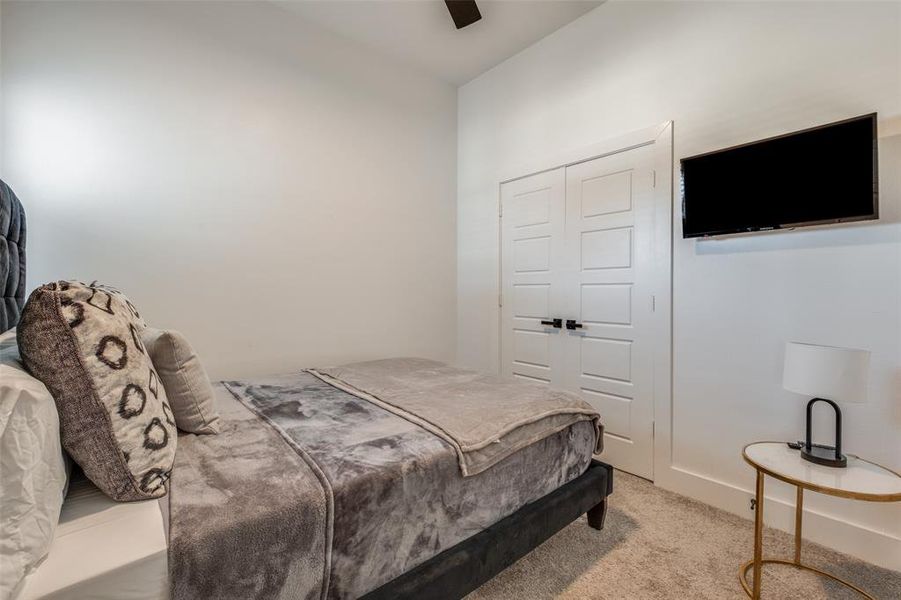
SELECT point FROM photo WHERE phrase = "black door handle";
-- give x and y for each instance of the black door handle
(571, 324)
(558, 323)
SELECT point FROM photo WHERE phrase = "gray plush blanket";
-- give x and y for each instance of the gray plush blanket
(484, 417)
(250, 515)
(313, 492)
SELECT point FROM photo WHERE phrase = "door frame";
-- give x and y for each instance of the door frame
(661, 137)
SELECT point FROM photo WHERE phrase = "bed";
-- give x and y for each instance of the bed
(323, 475)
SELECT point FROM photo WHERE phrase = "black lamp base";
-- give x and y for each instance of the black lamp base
(823, 455)
(829, 456)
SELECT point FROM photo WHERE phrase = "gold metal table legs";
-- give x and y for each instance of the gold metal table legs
(758, 561)
(799, 512)
(758, 536)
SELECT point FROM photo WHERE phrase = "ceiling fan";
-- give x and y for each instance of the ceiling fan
(463, 12)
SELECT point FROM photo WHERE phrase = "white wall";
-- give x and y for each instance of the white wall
(726, 73)
(283, 197)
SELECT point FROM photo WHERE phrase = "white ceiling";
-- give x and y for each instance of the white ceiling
(421, 32)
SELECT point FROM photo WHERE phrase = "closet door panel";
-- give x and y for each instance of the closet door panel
(532, 214)
(607, 290)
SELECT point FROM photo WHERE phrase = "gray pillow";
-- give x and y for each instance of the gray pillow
(84, 343)
(187, 385)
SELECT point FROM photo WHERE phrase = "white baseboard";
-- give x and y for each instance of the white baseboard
(876, 547)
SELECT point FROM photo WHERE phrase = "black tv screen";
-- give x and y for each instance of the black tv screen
(822, 175)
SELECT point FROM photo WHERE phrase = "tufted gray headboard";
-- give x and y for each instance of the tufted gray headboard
(12, 258)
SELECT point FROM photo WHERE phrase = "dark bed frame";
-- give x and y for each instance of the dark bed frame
(449, 575)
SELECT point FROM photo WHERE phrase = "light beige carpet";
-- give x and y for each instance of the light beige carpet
(659, 545)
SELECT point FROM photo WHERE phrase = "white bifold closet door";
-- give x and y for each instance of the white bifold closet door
(577, 245)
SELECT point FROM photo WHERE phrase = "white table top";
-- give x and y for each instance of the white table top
(860, 479)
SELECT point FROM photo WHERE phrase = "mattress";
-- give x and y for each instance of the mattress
(103, 550)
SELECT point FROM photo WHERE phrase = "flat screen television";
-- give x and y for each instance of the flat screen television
(827, 174)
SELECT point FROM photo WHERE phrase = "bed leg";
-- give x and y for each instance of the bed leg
(597, 514)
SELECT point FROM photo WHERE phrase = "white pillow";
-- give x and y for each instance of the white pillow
(33, 469)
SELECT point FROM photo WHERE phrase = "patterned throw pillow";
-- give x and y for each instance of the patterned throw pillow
(84, 343)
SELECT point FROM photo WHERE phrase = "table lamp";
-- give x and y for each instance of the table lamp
(829, 374)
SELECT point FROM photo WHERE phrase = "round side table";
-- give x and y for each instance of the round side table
(860, 480)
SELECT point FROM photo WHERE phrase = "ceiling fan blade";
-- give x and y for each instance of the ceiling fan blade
(463, 12)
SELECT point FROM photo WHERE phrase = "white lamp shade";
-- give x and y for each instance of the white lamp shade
(838, 374)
